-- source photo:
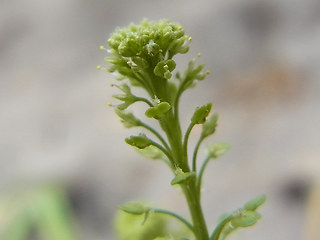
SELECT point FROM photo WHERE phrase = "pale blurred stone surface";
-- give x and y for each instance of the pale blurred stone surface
(55, 125)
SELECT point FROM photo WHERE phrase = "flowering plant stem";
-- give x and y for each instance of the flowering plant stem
(143, 54)
(190, 188)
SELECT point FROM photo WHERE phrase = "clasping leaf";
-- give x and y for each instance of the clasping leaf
(182, 177)
(158, 110)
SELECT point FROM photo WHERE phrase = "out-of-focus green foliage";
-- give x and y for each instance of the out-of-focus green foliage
(129, 227)
(44, 212)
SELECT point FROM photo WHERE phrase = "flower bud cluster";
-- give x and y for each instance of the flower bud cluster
(143, 53)
(149, 39)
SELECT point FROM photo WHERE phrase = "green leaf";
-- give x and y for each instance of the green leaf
(210, 125)
(217, 149)
(201, 113)
(140, 141)
(245, 219)
(134, 208)
(253, 204)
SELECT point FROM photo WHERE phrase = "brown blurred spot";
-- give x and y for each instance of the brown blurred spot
(296, 190)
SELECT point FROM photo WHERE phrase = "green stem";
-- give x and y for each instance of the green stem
(195, 153)
(141, 99)
(164, 151)
(157, 135)
(218, 230)
(176, 100)
(171, 127)
(199, 179)
(183, 220)
(146, 82)
(200, 227)
(186, 138)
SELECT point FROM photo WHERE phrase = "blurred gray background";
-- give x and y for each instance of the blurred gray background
(55, 125)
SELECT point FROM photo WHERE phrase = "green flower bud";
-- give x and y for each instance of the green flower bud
(128, 47)
(178, 46)
(152, 48)
(142, 63)
(217, 149)
(209, 127)
(140, 141)
(158, 110)
(201, 113)
(255, 203)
